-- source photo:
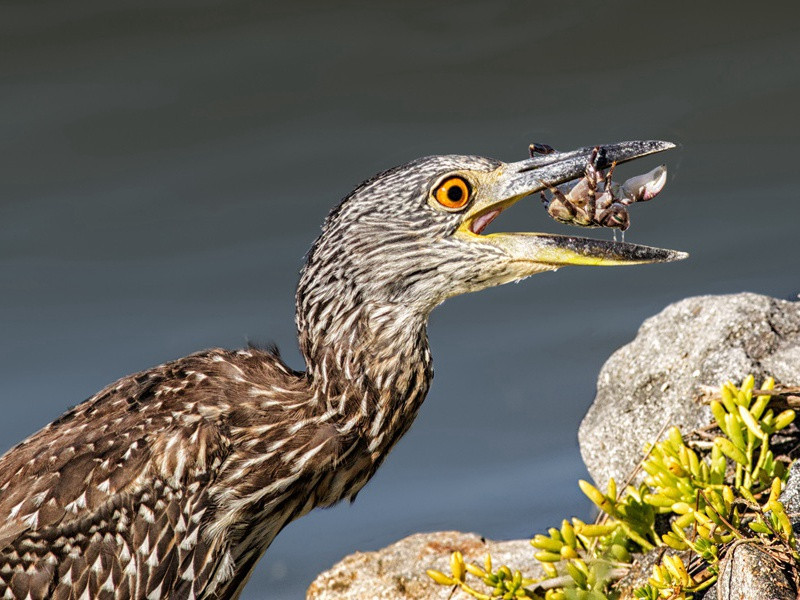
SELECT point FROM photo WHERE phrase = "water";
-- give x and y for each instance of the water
(165, 165)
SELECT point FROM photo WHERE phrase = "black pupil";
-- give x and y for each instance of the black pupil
(455, 193)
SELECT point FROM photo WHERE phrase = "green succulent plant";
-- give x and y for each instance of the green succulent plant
(698, 497)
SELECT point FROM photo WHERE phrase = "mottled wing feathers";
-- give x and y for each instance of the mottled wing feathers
(171, 483)
(110, 499)
(94, 453)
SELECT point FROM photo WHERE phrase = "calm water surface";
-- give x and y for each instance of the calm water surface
(165, 165)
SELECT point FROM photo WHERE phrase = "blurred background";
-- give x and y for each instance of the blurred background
(164, 166)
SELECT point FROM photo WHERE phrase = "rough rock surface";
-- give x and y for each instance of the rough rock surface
(748, 574)
(398, 571)
(652, 381)
(791, 493)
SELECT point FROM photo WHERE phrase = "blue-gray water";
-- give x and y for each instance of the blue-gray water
(164, 165)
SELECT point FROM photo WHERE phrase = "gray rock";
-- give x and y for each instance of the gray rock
(398, 571)
(652, 381)
(751, 574)
(791, 494)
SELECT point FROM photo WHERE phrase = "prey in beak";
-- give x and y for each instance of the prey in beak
(593, 202)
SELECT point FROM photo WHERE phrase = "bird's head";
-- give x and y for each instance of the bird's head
(412, 236)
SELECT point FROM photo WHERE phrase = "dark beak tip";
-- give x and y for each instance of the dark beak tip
(661, 145)
(625, 151)
(675, 255)
(636, 253)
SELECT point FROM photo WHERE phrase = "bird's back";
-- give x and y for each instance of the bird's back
(137, 492)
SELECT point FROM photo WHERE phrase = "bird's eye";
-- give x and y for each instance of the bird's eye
(453, 192)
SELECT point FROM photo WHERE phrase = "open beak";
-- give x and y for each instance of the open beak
(514, 181)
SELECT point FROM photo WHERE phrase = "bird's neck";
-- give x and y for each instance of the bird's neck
(369, 363)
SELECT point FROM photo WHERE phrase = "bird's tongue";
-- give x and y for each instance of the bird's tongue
(483, 221)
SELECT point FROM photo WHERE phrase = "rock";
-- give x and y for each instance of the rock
(398, 571)
(749, 574)
(652, 381)
(791, 494)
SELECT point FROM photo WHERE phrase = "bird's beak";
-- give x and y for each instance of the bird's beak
(514, 181)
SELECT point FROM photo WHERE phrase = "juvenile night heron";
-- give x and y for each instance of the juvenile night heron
(172, 482)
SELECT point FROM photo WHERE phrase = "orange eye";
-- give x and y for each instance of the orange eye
(453, 192)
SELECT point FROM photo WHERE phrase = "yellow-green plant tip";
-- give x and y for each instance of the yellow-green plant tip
(734, 424)
(748, 384)
(678, 531)
(591, 530)
(786, 524)
(549, 569)
(581, 564)
(542, 542)
(659, 500)
(590, 491)
(646, 545)
(751, 424)
(685, 520)
(578, 576)
(457, 566)
(674, 542)
(727, 495)
(568, 534)
(718, 502)
(675, 437)
(742, 399)
(682, 508)
(669, 564)
(775, 489)
(567, 552)
(674, 466)
(517, 579)
(440, 577)
(746, 494)
(716, 453)
(555, 534)
(784, 419)
(596, 496)
(727, 396)
(731, 451)
(703, 519)
(713, 514)
(759, 527)
(475, 570)
(719, 414)
(758, 407)
(661, 577)
(612, 488)
(694, 462)
(705, 472)
(620, 552)
(487, 563)
(705, 532)
(547, 556)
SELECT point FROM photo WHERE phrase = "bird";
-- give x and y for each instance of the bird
(171, 483)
